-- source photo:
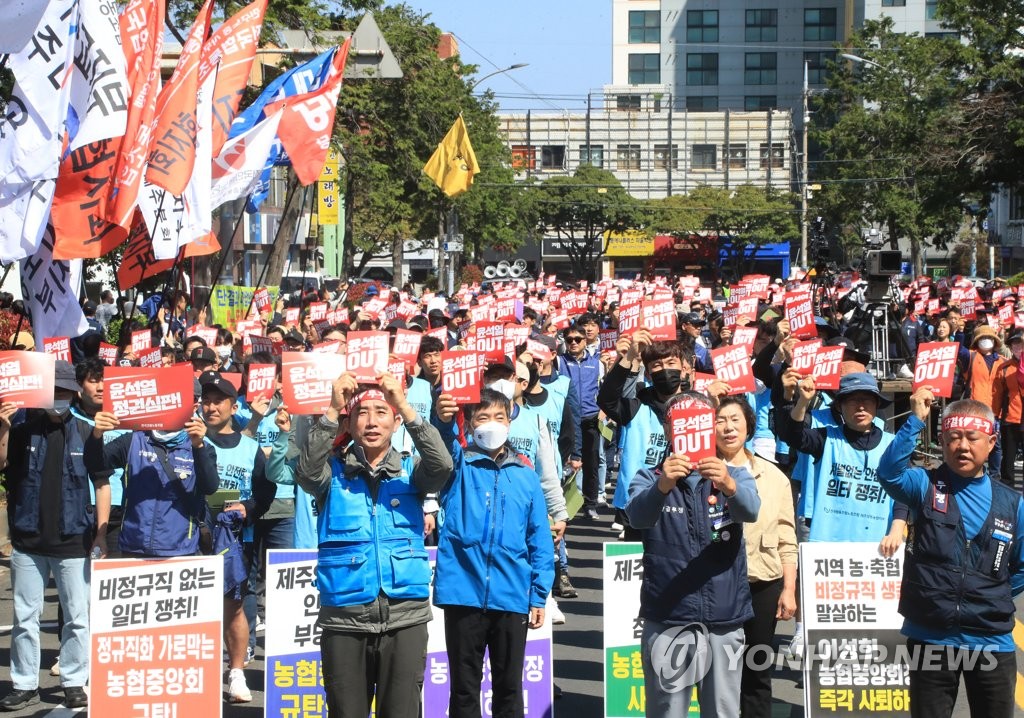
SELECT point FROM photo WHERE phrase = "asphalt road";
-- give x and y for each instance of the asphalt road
(578, 646)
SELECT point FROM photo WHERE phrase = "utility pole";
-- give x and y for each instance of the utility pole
(806, 119)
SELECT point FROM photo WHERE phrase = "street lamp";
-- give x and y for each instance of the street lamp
(863, 61)
(516, 66)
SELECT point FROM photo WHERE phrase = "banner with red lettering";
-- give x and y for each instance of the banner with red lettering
(935, 367)
(407, 348)
(693, 430)
(60, 347)
(803, 356)
(262, 382)
(26, 379)
(307, 381)
(488, 338)
(145, 399)
(367, 355)
(800, 315)
(827, 362)
(460, 376)
(732, 365)
(658, 316)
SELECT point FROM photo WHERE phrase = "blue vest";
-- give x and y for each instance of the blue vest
(420, 398)
(643, 445)
(368, 546)
(235, 466)
(950, 583)
(688, 575)
(160, 511)
(74, 515)
(552, 410)
(305, 529)
(524, 434)
(116, 487)
(266, 434)
(848, 502)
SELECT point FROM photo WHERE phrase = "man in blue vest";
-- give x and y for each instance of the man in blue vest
(240, 466)
(695, 597)
(373, 574)
(963, 563)
(53, 530)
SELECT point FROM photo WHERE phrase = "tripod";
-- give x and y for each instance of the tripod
(874, 328)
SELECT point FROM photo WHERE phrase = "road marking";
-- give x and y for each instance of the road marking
(1018, 638)
(42, 624)
(64, 712)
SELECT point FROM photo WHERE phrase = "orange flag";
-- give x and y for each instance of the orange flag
(207, 244)
(91, 175)
(138, 261)
(233, 44)
(172, 148)
(308, 121)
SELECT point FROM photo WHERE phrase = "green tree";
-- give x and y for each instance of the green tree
(578, 210)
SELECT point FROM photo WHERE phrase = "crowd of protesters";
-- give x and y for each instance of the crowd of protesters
(577, 408)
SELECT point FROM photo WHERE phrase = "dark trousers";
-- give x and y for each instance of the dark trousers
(357, 666)
(1009, 434)
(467, 632)
(990, 683)
(756, 685)
(591, 460)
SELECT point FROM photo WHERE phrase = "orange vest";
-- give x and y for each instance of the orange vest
(981, 377)
(1006, 393)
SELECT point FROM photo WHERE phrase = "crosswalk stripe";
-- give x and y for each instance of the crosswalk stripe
(1018, 638)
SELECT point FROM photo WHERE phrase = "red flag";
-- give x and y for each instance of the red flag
(172, 149)
(308, 121)
(138, 262)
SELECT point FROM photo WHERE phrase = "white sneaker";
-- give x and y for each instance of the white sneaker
(238, 691)
(616, 526)
(602, 500)
(260, 625)
(55, 668)
(796, 647)
(557, 617)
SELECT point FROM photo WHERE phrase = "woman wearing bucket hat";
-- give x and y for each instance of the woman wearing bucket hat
(983, 368)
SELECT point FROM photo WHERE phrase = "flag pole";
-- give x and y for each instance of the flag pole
(280, 231)
(225, 251)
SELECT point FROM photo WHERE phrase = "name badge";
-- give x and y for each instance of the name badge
(939, 499)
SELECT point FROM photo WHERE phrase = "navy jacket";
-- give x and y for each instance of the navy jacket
(585, 374)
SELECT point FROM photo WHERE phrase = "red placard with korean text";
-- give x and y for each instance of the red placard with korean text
(154, 398)
(26, 379)
(744, 336)
(261, 300)
(367, 355)
(291, 315)
(141, 339)
(693, 430)
(515, 335)
(262, 382)
(608, 339)
(732, 365)
(407, 347)
(1006, 314)
(307, 380)
(460, 376)
(629, 319)
(108, 353)
(658, 316)
(150, 358)
(701, 381)
(488, 338)
(827, 361)
(207, 334)
(539, 350)
(505, 310)
(803, 356)
(800, 315)
(60, 347)
(936, 367)
(317, 311)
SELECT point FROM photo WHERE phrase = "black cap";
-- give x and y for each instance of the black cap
(64, 376)
(213, 380)
(203, 354)
(691, 318)
(294, 336)
(89, 308)
(852, 352)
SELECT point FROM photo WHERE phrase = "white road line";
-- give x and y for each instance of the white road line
(42, 624)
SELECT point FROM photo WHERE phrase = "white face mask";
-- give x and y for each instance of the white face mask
(224, 352)
(504, 386)
(490, 435)
(986, 344)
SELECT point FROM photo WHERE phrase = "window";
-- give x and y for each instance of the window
(644, 26)
(666, 157)
(737, 156)
(820, 24)
(943, 35)
(773, 156)
(627, 102)
(756, 103)
(760, 68)
(627, 158)
(702, 103)
(702, 68)
(524, 157)
(931, 8)
(704, 157)
(702, 26)
(817, 66)
(645, 69)
(592, 155)
(762, 25)
(894, 3)
(552, 157)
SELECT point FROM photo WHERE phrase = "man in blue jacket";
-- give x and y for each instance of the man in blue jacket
(963, 563)
(494, 568)
(695, 597)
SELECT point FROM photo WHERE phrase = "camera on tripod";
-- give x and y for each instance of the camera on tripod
(883, 262)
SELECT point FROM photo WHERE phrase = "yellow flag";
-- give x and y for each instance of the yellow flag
(453, 163)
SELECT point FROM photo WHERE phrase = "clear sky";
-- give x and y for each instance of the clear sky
(567, 44)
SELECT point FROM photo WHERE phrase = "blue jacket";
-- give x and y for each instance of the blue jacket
(695, 561)
(494, 548)
(161, 510)
(585, 375)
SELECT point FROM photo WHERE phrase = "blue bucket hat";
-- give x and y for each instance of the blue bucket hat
(860, 381)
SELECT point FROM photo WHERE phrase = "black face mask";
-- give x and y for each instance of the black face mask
(666, 381)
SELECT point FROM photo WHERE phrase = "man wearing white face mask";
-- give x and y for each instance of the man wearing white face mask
(53, 531)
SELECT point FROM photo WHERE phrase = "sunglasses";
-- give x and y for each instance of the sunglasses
(573, 340)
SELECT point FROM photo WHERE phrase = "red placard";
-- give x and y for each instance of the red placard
(291, 315)
(207, 334)
(256, 343)
(800, 315)
(326, 347)
(149, 358)
(317, 311)
(744, 337)
(732, 365)
(747, 310)
(440, 333)
(396, 368)
(367, 355)
(460, 376)
(658, 316)
(935, 367)
(307, 380)
(60, 347)
(969, 308)
(505, 310)
(108, 353)
(155, 398)
(629, 318)
(701, 381)
(515, 335)
(245, 327)
(827, 362)
(574, 303)
(142, 339)
(539, 350)
(262, 382)
(407, 347)
(693, 430)
(261, 300)
(804, 354)
(374, 307)
(608, 339)
(933, 306)
(26, 379)
(1006, 314)
(488, 338)
(480, 313)
(559, 319)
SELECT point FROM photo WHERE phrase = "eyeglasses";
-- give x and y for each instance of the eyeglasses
(573, 340)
